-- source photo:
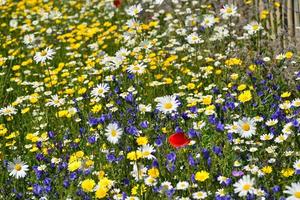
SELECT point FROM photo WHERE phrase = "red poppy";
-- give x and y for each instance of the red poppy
(178, 140)
(117, 3)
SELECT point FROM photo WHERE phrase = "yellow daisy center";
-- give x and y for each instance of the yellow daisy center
(43, 53)
(246, 187)
(113, 133)
(100, 90)
(246, 127)
(297, 194)
(18, 167)
(168, 105)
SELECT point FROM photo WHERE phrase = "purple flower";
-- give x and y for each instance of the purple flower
(237, 173)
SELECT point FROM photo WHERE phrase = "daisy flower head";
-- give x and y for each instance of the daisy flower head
(199, 195)
(167, 104)
(46, 54)
(136, 68)
(253, 27)
(134, 10)
(244, 186)
(293, 191)
(208, 21)
(55, 101)
(246, 127)
(297, 164)
(17, 168)
(113, 133)
(194, 38)
(182, 185)
(100, 90)
(228, 11)
(8, 111)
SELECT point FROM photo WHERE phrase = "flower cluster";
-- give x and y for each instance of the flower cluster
(149, 99)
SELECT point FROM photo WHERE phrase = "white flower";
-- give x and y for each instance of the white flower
(182, 185)
(138, 172)
(228, 11)
(297, 165)
(55, 101)
(165, 186)
(144, 108)
(253, 27)
(100, 90)
(136, 68)
(244, 186)
(29, 39)
(199, 195)
(208, 21)
(266, 137)
(8, 111)
(296, 102)
(294, 191)
(134, 10)
(147, 151)
(193, 38)
(271, 122)
(17, 168)
(167, 104)
(246, 127)
(281, 138)
(113, 133)
(46, 54)
(150, 181)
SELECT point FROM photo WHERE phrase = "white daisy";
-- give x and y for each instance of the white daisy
(199, 195)
(8, 111)
(296, 102)
(294, 191)
(147, 151)
(246, 127)
(194, 38)
(134, 10)
(136, 68)
(150, 181)
(266, 137)
(182, 185)
(228, 11)
(208, 21)
(46, 54)
(17, 168)
(113, 133)
(55, 101)
(167, 104)
(253, 27)
(281, 138)
(29, 39)
(297, 165)
(271, 122)
(144, 108)
(244, 186)
(165, 186)
(100, 90)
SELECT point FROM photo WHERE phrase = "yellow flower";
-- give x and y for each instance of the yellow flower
(88, 185)
(74, 166)
(190, 86)
(245, 96)
(153, 172)
(207, 100)
(97, 108)
(233, 61)
(287, 172)
(241, 87)
(101, 193)
(134, 155)
(267, 169)
(201, 176)
(142, 140)
(285, 94)
(289, 55)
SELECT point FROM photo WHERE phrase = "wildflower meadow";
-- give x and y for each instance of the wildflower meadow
(147, 100)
